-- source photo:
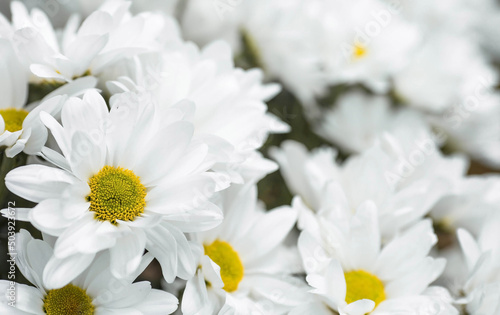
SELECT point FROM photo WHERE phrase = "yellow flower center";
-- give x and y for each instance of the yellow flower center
(359, 51)
(13, 118)
(116, 194)
(68, 300)
(231, 268)
(363, 285)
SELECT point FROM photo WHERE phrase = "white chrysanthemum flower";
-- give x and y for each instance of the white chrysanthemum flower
(236, 262)
(434, 80)
(281, 36)
(20, 127)
(229, 103)
(471, 200)
(473, 127)
(482, 257)
(404, 192)
(452, 17)
(106, 36)
(126, 180)
(354, 275)
(367, 117)
(365, 42)
(95, 291)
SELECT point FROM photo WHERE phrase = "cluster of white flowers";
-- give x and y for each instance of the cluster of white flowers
(134, 131)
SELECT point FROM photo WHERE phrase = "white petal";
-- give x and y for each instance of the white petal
(28, 300)
(195, 298)
(158, 302)
(275, 225)
(85, 236)
(359, 307)
(127, 253)
(38, 182)
(404, 252)
(469, 247)
(59, 272)
(47, 216)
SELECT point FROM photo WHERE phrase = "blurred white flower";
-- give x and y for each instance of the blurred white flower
(404, 191)
(281, 36)
(471, 200)
(105, 37)
(358, 119)
(365, 42)
(95, 291)
(20, 127)
(436, 78)
(473, 127)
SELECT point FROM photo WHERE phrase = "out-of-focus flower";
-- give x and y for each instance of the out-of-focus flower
(358, 119)
(20, 127)
(105, 37)
(404, 191)
(435, 81)
(281, 37)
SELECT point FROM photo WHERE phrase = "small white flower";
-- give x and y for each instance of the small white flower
(95, 291)
(354, 274)
(468, 203)
(242, 262)
(433, 82)
(403, 192)
(364, 118)
(20, 129)
(105, 37)
(365, 42)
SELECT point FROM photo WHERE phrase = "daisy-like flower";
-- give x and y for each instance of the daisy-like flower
(473, 127)
(105, 37)
(242, 261)
(126, 180)
(471, 200)
(404, 192)
(354, 275)
(94, 292)
(365, 118)
(365, 42)
(432, 81)
(482, 257)
(229, 110)
(20, 129)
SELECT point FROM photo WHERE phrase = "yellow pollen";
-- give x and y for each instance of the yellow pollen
(116, 194)
(13, 118)
(68, 300)
(363, 285)
(359, 51)
(231, 268)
